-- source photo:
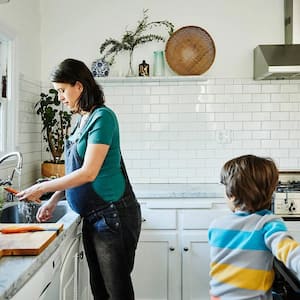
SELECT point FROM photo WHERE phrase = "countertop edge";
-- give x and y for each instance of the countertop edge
(30, 264)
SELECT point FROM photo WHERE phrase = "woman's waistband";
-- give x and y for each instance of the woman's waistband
(124, 202)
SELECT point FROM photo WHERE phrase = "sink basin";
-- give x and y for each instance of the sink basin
(25, 213)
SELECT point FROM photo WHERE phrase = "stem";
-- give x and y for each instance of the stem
(130, 71)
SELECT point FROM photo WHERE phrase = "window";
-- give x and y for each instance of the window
(7, 96)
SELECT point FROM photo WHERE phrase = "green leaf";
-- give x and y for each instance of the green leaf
(132, 38)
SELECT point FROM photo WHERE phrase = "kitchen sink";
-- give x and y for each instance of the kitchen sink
(26, 213)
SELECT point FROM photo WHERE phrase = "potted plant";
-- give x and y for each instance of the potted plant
(131, 39)
(56, 124)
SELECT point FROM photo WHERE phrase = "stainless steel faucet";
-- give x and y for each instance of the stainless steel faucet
(17, 169)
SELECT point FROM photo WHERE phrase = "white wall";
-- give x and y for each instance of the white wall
(172, 131)
(73, 28)
(20, 20)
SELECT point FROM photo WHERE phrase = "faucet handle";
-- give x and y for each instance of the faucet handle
(5, 182)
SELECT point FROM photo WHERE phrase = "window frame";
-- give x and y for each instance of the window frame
(8, 107)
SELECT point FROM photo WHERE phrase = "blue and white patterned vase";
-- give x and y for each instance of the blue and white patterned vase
(100, 68)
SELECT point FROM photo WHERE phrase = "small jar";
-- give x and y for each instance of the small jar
(144, 69)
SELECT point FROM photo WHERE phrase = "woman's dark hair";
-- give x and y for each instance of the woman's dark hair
(251, 180)
(72, 70)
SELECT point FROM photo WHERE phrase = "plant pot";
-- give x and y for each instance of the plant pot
(49, 169)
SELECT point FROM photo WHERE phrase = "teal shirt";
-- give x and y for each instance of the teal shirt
(102, 128)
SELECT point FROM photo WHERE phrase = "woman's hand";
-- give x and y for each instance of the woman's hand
(33, 193)
(45, 212)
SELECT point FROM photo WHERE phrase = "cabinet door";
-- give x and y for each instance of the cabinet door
(68, 274)
(195, 265)
(84, 288)
(156, 274)
(44, 284)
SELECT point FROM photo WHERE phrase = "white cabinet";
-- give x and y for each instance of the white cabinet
(195, 265)
(44, 284)
(68, 273)
(193, 224)
(172, 258)
(84, 290)
(156, 275)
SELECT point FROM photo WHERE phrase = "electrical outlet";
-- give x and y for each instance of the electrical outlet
(224, 136)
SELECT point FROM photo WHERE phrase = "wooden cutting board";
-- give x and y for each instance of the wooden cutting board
(28, 243)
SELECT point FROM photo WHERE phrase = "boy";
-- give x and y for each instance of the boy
(243, 243)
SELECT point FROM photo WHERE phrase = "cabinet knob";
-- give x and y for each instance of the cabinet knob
(172, 248)
(80, 255)
(185, 249)
(143, 220)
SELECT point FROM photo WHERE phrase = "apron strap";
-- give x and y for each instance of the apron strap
(128, 184)
(124, 168)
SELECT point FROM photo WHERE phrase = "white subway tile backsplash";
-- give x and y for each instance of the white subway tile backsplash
(182, 130)
(289, 144)
(288, 163)
(289, 125)
(242, 98)
(261, 98)
(270, 88)
(270, 107)
(254, 125)
(216, 89)
(233, 89)
(290, 107)
(261, 116)
(251, 88)
(289, 88)
(281, 97)
(272, 144)
(280, 115)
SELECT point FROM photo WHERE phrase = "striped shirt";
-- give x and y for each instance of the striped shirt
(242, 246)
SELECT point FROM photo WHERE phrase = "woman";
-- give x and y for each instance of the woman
(96, 184)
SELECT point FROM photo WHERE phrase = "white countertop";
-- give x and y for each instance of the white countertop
(15, 271)
(178, 190)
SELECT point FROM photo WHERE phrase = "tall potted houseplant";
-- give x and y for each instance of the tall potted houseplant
(56, 124)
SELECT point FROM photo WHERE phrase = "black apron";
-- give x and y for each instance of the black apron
(83, 199)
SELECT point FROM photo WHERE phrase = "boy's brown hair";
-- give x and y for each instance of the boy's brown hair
(251, 180)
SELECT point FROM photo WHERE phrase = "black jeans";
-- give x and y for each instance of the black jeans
(110, 237)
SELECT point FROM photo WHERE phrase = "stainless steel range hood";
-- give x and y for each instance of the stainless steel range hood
(281, 61)
(277, 62)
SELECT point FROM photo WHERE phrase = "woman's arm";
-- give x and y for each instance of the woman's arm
(93, 161)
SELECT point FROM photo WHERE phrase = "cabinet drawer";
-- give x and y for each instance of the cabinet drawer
(200, 218)
(158, 219)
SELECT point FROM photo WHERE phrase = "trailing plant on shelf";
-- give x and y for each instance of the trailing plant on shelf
(56, 123)
(131, 39)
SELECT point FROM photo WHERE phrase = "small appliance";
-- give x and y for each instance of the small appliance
(286, 200)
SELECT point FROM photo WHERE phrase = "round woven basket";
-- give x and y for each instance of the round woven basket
(190, 50)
